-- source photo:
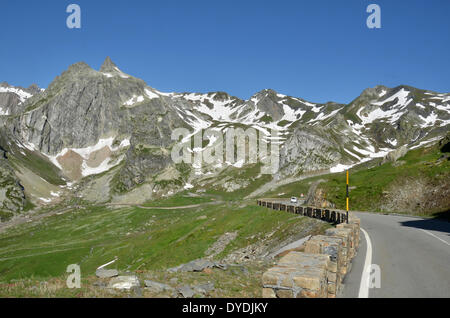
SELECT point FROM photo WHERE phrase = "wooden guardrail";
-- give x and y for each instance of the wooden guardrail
(330, 215)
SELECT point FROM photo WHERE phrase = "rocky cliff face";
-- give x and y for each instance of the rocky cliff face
(88, 122)
(378, 122)
(12, 98)
(12, 197)
(310, 149)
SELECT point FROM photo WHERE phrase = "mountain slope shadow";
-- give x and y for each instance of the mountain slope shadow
(440, 225)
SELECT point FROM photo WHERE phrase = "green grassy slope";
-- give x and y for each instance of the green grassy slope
(142, 239)
(370, 183)
(155, 239)
(370, 186)
(36, 163)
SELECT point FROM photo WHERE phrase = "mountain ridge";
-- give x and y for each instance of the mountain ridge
(90, 122)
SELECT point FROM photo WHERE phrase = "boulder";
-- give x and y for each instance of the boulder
(157, 287)
(396, 154)
(124, 282)
(186, 291)
(204, 288)
(197, 265)
(106, 273)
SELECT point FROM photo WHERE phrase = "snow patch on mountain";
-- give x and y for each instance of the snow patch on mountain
(291, 114)
(402, 96)
(134, 100)
(425, 142)
(3, 112)
(429, 121)
(150, 94)
(115, 72)
(220, 111)
(392, 114)
(23, 96)
(393, 142)
(322, 116)
(85, 154)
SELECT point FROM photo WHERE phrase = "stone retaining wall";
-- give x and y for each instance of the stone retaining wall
(317, 272)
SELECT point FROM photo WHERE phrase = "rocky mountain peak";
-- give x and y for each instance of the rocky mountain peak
(269, 92)
(374, 92)
(265, 94)
(78, 68)
(33, 89)
(118, 118)
(220, 96)
(108, 65)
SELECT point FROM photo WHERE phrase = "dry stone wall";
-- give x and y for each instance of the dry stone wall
(317, 272)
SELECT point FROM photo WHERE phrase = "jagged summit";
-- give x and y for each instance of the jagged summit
(265, 92)
(110, 69)
(79, 66)
(374, 92)
(12, 98)
(108, 65)
(34, 89)
(88, 111)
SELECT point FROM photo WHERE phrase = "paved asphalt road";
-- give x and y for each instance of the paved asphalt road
(413, 255)
(300, 202)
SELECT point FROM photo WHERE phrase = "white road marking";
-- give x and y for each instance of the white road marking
(429, 233)
(365, 279)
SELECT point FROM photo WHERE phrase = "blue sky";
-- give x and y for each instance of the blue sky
(318, 50)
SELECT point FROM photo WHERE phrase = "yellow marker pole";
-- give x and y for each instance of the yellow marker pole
(347, 197)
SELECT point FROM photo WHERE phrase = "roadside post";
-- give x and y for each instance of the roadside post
(347, 197)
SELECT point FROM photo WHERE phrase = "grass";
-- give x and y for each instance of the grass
(180, 199)
(294, 189)
(233, 283)
(368, 184)
(249, 174)
(39, 166)
(5, 216)
(142, 239)
(34, 256)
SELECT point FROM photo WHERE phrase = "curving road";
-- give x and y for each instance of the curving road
(164, 207)
(413, 256)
